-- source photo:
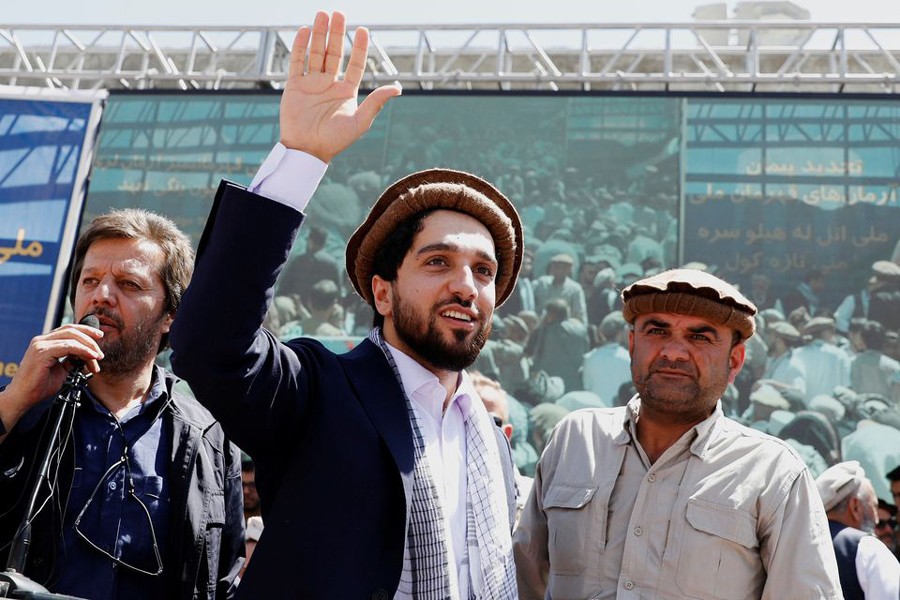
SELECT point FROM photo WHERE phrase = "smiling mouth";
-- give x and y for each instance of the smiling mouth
(456, 315)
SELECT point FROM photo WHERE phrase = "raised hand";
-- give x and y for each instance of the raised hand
(319, 112)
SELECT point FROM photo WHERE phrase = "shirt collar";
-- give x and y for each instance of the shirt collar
(702, 432)
(417, 382)
(158, 392)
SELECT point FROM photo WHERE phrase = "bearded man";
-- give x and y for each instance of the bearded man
(146, 501)
(380, 473)
(666, 498)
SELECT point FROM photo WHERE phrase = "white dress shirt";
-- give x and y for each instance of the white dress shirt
(444, 433)
(877, 569)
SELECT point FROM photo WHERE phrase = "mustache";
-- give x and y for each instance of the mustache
(110, 315)
(457, 300)
(669, 365)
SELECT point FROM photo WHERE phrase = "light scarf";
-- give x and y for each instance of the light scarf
(488, 540)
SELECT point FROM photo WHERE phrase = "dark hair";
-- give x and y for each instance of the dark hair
(873, 335)
(323, 295)
(317, 236)
(857, 324)
(139, 224)
(394, 249)
(557, 309)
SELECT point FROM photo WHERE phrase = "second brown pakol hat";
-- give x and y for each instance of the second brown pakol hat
(690, 292)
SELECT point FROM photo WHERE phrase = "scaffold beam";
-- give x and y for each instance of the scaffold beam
(709, 56)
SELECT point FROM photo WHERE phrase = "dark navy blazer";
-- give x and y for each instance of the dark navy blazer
(330, 434)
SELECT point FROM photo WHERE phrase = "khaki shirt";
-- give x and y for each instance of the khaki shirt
(727, 512)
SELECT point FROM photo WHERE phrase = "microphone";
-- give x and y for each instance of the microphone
(91, 321)
(58, 428)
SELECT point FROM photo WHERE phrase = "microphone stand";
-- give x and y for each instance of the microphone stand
(13, 582)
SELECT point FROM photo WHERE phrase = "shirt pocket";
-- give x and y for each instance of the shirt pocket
(719, 553)
(576, 526)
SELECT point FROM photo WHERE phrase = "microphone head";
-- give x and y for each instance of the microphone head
(90, 321)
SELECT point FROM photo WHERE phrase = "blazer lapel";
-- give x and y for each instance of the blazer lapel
(381, 396)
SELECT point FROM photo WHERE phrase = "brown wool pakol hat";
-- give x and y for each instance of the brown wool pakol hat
(690, 292)
(438, 189)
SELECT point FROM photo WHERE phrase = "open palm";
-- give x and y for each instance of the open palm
(319, 112)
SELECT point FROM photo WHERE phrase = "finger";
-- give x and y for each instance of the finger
(92, 364)
(94, 332)
(317, 47)
(83, 334)
(334, 56)
(374, 102)
(356, 67)
(49, 351)
(75, 337)
(298, 52)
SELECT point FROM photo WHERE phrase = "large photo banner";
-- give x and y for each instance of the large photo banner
(767, 191)
(45, 142)
(788, 190)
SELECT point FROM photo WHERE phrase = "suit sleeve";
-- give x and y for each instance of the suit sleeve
(252, 383)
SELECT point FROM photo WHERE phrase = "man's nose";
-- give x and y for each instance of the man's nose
(103, 293)
(463, 283)
(675, 349)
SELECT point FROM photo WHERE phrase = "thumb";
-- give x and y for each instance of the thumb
(374, 102)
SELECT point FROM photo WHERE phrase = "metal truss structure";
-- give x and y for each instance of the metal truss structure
(707, 56)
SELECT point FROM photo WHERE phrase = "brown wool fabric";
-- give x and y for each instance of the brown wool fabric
(693, 293)
(438, 189)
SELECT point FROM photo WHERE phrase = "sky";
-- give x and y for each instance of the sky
(400, 12)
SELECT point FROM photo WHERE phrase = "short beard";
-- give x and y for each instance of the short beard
(691, 405)
(426, 341)
(132, 348)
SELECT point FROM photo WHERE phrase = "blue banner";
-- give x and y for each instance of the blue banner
(41, 147)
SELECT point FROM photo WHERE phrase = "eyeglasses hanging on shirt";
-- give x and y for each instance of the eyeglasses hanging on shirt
(121, 500)
(121, 544)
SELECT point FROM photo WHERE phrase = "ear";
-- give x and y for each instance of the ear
(381, 292)
(631, 342)
(167, 323)
(736, 360)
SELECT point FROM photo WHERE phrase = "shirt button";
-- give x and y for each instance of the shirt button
(629, 584)
(652, 477)
(112, 485)
(638, 531)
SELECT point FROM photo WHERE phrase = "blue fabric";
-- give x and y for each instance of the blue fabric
(204, 532)
(114, 520)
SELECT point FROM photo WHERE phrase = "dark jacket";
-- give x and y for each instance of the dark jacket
(206, 532)
(330, 434)
(846, 543)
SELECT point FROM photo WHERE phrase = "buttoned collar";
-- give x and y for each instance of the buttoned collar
(702, 433)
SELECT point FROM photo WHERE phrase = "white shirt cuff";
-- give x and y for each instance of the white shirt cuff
(288, 176)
